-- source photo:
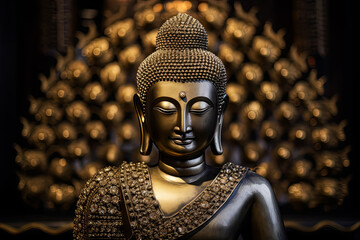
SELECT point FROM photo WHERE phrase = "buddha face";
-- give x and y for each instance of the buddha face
(181, 117)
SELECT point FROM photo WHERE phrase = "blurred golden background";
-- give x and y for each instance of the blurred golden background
(68, 69)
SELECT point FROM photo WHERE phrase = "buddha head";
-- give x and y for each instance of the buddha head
(181, 99)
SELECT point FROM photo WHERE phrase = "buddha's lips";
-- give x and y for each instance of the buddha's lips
(183, 141)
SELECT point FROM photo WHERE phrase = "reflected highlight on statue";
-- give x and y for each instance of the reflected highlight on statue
(180, 106)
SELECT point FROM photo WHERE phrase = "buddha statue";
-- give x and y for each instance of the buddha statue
(180, 104)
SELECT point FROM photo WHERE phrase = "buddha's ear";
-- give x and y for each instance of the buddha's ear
(145, 140)
(216, 145)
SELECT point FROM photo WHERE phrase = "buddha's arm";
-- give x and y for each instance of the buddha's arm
(266, 221)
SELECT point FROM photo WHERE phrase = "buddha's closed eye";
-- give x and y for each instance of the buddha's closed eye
(200, 107)
(165, 107)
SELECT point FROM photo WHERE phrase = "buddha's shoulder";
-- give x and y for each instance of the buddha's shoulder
(107, 180)
(102, 179)
(251, 182)
(246, 173)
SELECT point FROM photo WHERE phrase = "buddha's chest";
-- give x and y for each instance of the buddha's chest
(147, 219)
(174, 196)
(224, 225)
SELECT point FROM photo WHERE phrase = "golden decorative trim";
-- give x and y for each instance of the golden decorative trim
(69, 226)
(325, 223)
(35, 225)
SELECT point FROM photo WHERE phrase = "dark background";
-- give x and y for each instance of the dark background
(23, 58)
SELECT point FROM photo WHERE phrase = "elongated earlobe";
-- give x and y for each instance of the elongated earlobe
(216, 144)
(145, 140)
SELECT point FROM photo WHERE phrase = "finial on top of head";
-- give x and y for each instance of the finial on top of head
(181, 31)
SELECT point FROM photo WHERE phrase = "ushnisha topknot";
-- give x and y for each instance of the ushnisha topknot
(181, 56)
(180, 32)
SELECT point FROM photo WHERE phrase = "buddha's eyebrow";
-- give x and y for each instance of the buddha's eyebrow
(165, 104)
(201, 98)
(167, 98)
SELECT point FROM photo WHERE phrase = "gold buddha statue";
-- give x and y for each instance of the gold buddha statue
(180, 106)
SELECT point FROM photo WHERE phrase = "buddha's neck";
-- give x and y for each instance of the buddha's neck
(183, 168)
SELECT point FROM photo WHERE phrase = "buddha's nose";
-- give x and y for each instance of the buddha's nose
(184, 123)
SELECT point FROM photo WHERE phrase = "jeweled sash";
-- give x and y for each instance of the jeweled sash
(146, 219)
